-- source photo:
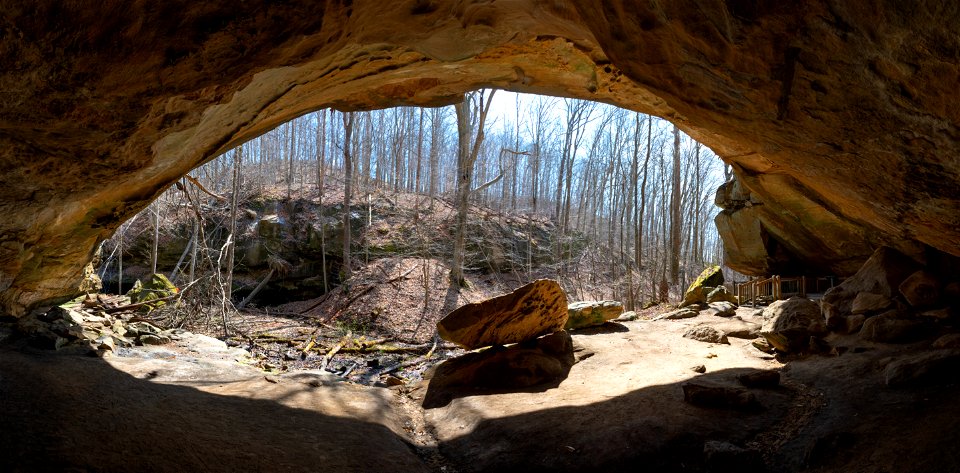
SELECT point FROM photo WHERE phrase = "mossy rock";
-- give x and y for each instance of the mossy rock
(591, 313)
(711, 277)
(156, 287)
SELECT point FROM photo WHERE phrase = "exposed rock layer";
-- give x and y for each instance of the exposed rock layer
(836, 114)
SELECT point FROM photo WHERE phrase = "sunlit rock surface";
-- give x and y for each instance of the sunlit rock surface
(838, 116)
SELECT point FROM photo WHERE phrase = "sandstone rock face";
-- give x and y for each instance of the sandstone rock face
(532, 310)
(788, 325)
(867, 302)
(881, 275)
(889, 328)
(838, 119)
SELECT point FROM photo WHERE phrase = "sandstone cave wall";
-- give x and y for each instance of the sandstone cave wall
(839, 116)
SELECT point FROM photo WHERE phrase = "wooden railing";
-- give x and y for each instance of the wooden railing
(770, 289)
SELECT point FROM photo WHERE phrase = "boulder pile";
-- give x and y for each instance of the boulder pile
(895, 299)
(98, 323)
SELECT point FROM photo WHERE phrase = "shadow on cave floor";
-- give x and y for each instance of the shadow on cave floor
(74, 413)
(829, 415)
(606, 327)
(71, 413)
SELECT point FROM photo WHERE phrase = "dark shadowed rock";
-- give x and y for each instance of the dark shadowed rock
(724, 456)
(940, 366)
(764, 379)
(921, 289)
(868, 302)
(789, 324)
(530, 311)
(881, 274)
(890, 328)
(950, 340)
(853, 323)
(719, 396)
(531, 363)
(943, 313)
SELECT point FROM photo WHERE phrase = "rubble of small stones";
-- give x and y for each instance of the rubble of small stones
(100, 323)
(85, 326)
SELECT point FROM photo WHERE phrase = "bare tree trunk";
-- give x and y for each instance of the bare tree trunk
(643, 191)
(348, 118)
(464, 176)
(675, 211)
(695, 204)
(193, 250)
(120, 260)
(466, 157)
(416, 177)
(290, 130)
(321, 186)
(228, 284)
(436, 121)
(156, 236)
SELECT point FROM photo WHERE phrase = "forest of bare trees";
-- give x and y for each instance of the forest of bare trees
(638, 190)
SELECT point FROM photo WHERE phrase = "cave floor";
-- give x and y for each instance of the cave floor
(620, 409)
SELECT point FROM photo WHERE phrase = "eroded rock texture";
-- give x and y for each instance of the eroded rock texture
(840, 113)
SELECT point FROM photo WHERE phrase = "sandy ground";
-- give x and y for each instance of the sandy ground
(193, 407)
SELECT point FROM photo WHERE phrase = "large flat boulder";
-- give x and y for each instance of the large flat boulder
(532, 310)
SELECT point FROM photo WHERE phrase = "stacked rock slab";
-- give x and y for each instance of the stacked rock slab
(893, 298)
(521, 318)
(530, 311)
(881, 275)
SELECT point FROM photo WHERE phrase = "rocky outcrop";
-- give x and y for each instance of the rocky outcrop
(880, 275)
(893, 299)
(758, 242)
(697, 292)
(836, 117)
(532, 310)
